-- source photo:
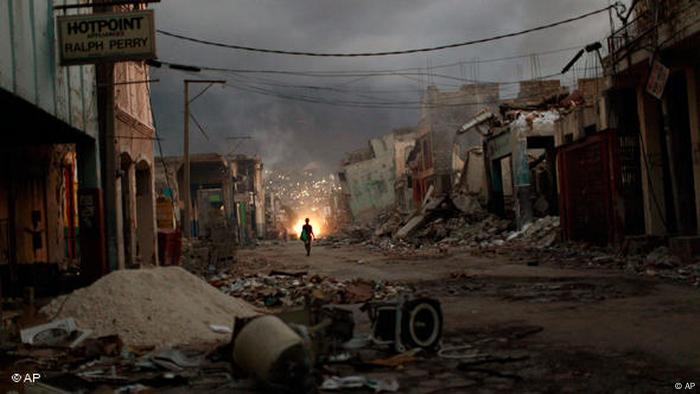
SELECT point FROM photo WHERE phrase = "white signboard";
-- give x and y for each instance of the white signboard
(94, 38)
(657, 80)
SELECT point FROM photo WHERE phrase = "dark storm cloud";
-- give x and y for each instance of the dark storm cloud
(295, 132)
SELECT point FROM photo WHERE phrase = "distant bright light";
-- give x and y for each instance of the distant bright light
(315, 221)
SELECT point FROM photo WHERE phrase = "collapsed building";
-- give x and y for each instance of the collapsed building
(444, 156)
(376, 178)
(436, 162)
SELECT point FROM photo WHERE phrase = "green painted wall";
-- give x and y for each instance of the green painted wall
(371, 182)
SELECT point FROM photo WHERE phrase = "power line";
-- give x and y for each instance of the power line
(372, 105)
(386, 53)
(352, 73)
(271, 88)
(345, 75)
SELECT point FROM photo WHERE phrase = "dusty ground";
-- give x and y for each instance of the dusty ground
(545, 328)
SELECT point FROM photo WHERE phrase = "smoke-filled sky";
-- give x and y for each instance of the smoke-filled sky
(291, 133)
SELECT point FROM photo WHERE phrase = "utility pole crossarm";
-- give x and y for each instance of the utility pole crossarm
(186, 195)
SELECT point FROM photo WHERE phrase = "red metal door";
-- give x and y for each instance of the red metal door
(587, 187)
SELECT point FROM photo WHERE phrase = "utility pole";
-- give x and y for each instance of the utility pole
(187, 216)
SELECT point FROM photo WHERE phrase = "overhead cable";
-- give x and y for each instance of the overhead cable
(385, 53)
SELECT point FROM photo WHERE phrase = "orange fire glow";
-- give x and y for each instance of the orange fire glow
(315, 221)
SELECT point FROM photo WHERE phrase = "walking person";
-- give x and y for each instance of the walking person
(307, 234)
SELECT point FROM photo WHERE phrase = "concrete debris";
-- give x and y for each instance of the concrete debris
(411, 226)
(286, 290)
(390, 225)
(213, 254)
(463, 231)
(662, 259)
(467, 204)
(158, 306)
(461, 225)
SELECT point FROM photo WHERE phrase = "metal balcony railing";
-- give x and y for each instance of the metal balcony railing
(644, 21)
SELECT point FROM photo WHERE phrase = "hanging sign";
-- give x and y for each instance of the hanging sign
(657, 79)
(106, 37)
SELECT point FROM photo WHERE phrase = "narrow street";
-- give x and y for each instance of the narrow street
(357, 196)
(594, 329)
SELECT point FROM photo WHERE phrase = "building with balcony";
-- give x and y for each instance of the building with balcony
(653, 69)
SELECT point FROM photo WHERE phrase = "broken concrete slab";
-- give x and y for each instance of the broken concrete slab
(413, 224)
(467, 204)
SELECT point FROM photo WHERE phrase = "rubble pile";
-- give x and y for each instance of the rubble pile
(657, 263)
(195, 256)
(300, 289)
(212, 253)
(543, 232)
(660, 262)
(474, 230)
(158, 306)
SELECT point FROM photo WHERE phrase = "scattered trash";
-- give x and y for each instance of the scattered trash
(406, 323)
(267, 348)
(175, 360)
(340, 357)
(397, 360)
(301, 290)
(355, 382)
(221, 329)
(62, 332)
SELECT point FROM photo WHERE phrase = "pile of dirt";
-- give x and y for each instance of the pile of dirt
(159, 306)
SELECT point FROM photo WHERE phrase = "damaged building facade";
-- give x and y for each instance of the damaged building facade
(50, 194)
(377, 177)
(519, 152)
(438, 157)
(225, 191)
(132, 231)
(84, 204)
(638, 135)
(249, 194)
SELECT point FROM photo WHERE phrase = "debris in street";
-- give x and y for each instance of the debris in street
(176, 360)
(56, 333)
(270, 350)
(157, 306)
(221, 329)
(298, 290)
(406, 323)
(398, 359)
(356, 382)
